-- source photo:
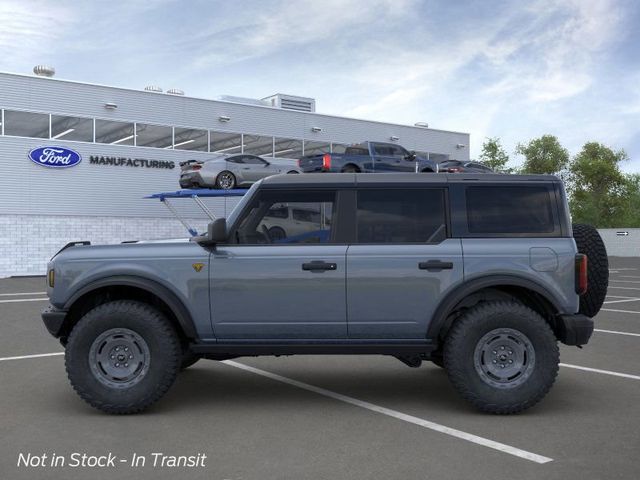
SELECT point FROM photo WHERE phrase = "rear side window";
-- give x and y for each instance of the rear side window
(497, 209)
(401, 216)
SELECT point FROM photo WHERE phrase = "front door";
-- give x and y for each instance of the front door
(402, 263)
(278, 281)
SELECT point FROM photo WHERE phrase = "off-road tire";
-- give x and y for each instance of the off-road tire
(468, 332)
(161, 339)
(590, 243)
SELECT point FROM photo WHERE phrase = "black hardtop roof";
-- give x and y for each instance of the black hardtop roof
(396, 179)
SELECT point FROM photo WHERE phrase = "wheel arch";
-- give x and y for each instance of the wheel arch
(129, 287)
(353, 165)
(494, 287)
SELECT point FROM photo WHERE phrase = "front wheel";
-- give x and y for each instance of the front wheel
(122, 356)
(502, 357)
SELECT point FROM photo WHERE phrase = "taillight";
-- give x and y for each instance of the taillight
(326, 161)
(454, 170)
(299, 162)
(581, 274)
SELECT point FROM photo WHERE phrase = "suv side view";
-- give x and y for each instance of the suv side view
(481, 274)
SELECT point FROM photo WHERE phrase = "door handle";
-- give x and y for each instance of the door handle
(319, 266)
(435, 265)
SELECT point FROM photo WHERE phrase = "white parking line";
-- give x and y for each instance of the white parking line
(628, 299)
(485, 442)
(625, 281)
(597, 370)
(614, 269)
(23, 293)
(623, 288)
(24, 300)
(616, 332)
(618, 311)
(39, 355)
(629, 276)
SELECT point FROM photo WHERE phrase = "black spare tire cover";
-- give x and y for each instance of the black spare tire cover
(590, 243)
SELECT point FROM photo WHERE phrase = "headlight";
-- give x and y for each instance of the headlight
(51, 277)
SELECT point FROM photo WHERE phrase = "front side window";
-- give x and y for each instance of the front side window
(288, 218)
(401, 216)
(503, 210)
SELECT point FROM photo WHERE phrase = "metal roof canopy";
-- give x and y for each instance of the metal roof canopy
(195, 195)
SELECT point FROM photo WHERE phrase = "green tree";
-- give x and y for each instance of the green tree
(494, 156)
(543, 155)
(600, 192)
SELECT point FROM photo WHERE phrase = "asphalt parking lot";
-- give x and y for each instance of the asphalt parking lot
(312, 417)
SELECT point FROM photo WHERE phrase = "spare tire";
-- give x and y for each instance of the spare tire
(590, 243)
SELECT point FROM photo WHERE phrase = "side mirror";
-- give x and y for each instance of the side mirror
(216, 233)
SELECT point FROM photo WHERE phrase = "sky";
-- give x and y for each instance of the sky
(513, 70)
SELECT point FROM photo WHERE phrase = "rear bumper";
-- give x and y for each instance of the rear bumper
(574, 329)
(53, 319)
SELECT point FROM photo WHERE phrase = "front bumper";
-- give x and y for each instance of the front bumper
(53, 319)
(574, 329)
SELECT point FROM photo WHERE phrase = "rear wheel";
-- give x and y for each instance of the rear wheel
(225, 180)
(502, 357)
(277, 233)
(122, 356)
(350, 169)
(590, 243)
(292, 172)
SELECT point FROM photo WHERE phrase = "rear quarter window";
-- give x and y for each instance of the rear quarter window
(510, 210)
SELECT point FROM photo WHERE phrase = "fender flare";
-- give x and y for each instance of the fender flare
(176, 306)
(463, 290)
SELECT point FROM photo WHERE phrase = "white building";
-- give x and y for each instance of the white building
(143, 135)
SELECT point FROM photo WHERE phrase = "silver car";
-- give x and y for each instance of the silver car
(230, 171)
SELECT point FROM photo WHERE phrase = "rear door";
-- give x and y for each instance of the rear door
(402, 263)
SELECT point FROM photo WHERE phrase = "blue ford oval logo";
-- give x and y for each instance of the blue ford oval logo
(55, 157)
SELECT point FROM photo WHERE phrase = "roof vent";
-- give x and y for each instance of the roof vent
(153, 88)
(175, 91)
(44, 71)
(291, 102)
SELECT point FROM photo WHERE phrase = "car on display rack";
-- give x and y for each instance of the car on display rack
(480, 274)
(368, 157)
(459, 166)
(230, 171)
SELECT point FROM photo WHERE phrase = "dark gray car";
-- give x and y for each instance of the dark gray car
(230, 171)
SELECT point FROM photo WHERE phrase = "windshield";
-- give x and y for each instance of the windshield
(231, 219)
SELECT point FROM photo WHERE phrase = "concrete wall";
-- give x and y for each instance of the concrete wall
(621, 245)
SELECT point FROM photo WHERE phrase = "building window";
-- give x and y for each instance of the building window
(191, 139)
(316, 148)
(115, 133)
(26, 124)
(257, 145)
(287, 148)
(157, 136)
(71, 128)
(224, 142)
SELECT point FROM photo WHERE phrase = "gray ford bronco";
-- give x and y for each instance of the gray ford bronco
(481, 274)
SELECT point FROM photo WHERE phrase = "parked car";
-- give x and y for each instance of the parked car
(368, 157)
(481, 274)
(459, 166)
(231, 171)
(286, 223)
